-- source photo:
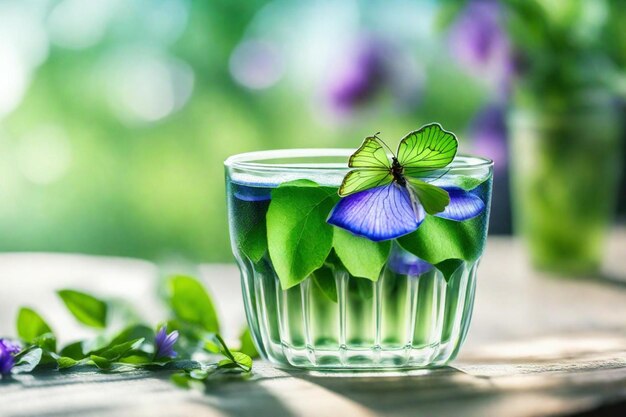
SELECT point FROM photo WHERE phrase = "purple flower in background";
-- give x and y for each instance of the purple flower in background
(489, 135)
(8, 350)
(164, 343)
(479, 43)
(358, 76)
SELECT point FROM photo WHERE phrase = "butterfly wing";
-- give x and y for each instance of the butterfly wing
(371, 154)
(373, 168)
(434, 199)
(427, 149)
(381, 213)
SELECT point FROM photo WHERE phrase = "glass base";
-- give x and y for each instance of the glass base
(400, 321)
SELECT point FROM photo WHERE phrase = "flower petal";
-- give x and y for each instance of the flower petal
(405, 263)
(380, 213)
(463, 205)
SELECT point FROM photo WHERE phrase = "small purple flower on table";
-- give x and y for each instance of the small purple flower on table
(8, 350)
(164, 344)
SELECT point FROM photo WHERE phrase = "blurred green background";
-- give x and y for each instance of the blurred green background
(116, 116)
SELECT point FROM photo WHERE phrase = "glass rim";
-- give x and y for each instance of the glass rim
(254, 160)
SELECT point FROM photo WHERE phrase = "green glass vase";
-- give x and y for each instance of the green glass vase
(565, 161)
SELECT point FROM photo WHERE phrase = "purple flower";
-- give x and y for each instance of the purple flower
(479, 43)
(8, 350)
(164, 343)
(387, 212)
(489, 135)
(358, 76)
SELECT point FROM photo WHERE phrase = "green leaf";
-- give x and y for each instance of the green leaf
(465, 182)
(437, 239)
(64, 362)
(86, 308)
(100, 362)
(138, 358)
(299, 239)
(247, 345)
(449, 267)
(199, 374)
(433, 199)
(73, 351)
(240, 360)
(181, 380)
(191, 303)
(47, 341)
(30, 325)
(361, 257)
(134, 332)
(253, 242)
(28, 362)
(115, 352)
(233, 359)
(324, 279)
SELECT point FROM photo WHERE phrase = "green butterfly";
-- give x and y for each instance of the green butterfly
(420, 154)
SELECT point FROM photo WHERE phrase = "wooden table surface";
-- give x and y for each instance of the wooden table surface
(537, 346)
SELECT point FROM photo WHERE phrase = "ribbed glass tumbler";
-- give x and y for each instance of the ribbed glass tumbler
(414, 313)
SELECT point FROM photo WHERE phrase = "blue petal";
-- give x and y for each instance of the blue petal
(463, 205)
(248, 193)
(380, 213)
(405, 263)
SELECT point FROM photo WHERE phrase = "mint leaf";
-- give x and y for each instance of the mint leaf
(449, 267)
(30, 325)
(86, 308)
(437, 239)
(28, 361)
(362, 257)
(191, 303)
(324, 279)
(298, 237)
(247, 345)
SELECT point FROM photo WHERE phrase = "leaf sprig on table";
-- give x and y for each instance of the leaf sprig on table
(188, 342)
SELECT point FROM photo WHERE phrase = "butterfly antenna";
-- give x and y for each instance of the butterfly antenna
(383, 142)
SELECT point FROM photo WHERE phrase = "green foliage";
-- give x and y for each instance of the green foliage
(31, 325)
(449, 267)
(134, 346)
(437, 239)
(361, 257)
(324, 279)
(191, 304)
(86, 308)
(247, 345)
(28, 360)
(299, 239)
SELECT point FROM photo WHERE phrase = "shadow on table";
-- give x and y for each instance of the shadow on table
(433, 392)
